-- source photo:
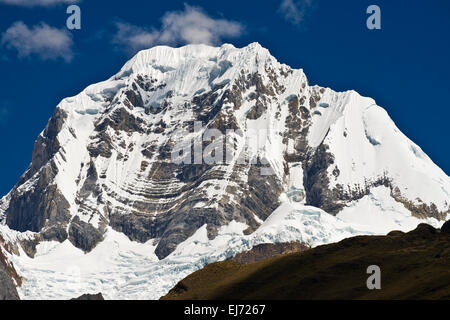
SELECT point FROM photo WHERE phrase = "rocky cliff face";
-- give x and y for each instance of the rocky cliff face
(8, 290)
(8, 275)
(197, 135)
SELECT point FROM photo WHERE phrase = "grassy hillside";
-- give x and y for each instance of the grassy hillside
(414, 265)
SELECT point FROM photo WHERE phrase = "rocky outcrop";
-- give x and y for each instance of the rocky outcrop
(83, 235)
(36, 204)
(316, 181)
(8, 290)
(90, 297)
(39, 206)
(47, 144)
(9, 277)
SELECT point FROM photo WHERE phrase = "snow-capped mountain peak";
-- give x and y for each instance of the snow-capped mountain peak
(104, 166)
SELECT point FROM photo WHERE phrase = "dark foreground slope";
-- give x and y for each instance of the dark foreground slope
(414, 265)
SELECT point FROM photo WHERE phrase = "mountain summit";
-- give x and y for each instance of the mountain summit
(196, 138)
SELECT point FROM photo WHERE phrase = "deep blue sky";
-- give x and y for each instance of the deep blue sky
(405, 66)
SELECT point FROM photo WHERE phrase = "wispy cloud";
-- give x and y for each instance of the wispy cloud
(35, 3)
(295, 11)
(41, 40)
(132, 38)
(192, 25)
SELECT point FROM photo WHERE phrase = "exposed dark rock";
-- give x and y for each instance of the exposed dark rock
(8, 275)
(255, 79)
(47, 144)
(257, 111)
(259, 199)
(312, 102)
(90, 297)
(121, 120)
(191, 173)
(421, 210)
(135, 98)
(44, 199)
(90, 186)
(55, 232)
(83, 235)
(8, 290)
(149, 151)
(100, 148)
(316, 181)
(206, 107)
(138, 227)
(144, 82)
(224, 122)
(183, 223)
(305, 114)
(319, 194)
(29, 245)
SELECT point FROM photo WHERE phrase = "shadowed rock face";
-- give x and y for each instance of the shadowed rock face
(8, 290)
(41, 207)
(125, 177)
(47, 144)
(38, 208)
(83, 235)
(414, 265)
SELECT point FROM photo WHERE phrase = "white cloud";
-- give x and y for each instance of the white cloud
(34, 3)
(133, 38)
(295, 11)
(178, 27)
(42, 40)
